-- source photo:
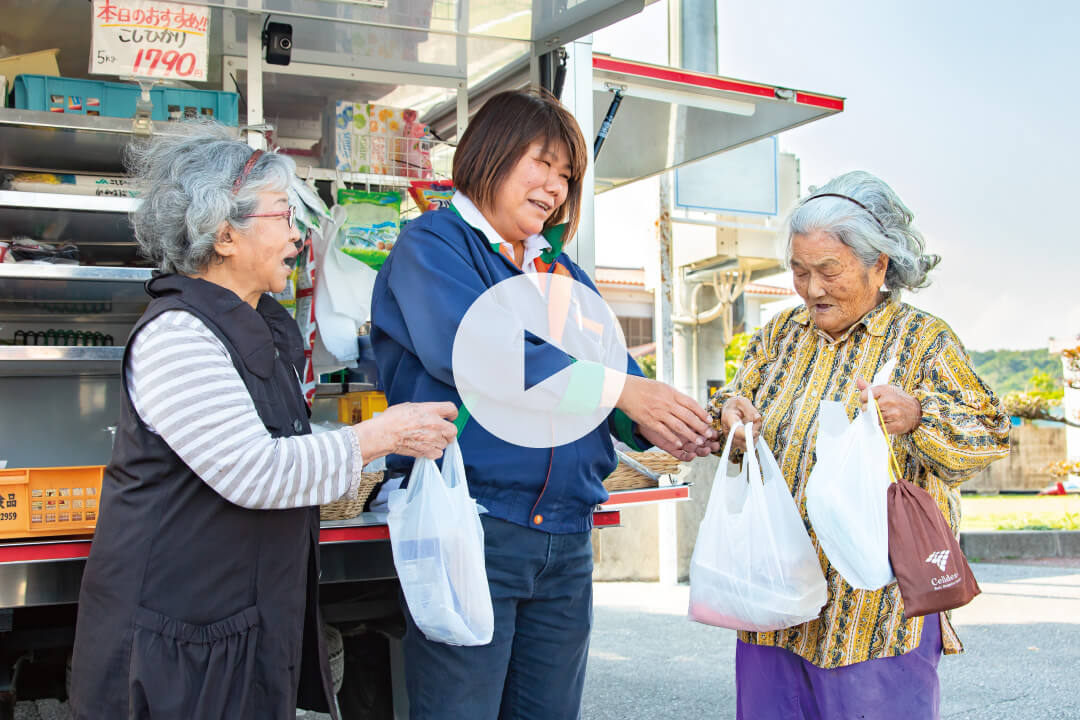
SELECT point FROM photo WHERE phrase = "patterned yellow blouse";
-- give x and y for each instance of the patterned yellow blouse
(789, 367)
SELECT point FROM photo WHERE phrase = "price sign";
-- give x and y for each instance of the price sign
(150, 38)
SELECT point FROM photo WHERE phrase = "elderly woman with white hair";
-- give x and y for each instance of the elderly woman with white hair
(200, 595)
(853, 249)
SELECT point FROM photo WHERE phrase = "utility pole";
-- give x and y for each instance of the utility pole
(692, 37)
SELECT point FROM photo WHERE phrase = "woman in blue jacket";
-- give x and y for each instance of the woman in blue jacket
(518, 171)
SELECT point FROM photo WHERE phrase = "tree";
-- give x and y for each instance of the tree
(647, 363)
(1011, 370)
(1043, 385)
(733, 354)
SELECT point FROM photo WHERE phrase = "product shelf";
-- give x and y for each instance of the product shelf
(48, 361)
(25, 282)
(317, 173)
(78, 219)
(57, 142)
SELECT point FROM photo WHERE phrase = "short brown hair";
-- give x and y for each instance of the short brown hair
(499, 136)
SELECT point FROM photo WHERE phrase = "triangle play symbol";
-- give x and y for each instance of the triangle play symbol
(537, 373)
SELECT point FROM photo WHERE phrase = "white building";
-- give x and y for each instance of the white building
(626, 293)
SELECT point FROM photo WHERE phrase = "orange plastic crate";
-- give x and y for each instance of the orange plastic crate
(356, 407)
(49, 501)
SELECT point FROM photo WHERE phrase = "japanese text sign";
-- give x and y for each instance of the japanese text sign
(150, 38)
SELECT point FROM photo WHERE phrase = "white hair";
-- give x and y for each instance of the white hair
(870, 219)
(186, 182)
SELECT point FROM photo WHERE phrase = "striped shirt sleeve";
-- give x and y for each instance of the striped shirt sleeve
(963, 426)
(185, 388)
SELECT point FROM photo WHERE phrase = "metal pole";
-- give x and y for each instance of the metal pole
(666, 517)
(254, 76)
(462, 109)
(605, 126)
(578, 98)
(665, 366)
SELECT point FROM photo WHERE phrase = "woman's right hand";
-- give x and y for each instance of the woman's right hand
(413, 429)
(669, 419)
(739, 410)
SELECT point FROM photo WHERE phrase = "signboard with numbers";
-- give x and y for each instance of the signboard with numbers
(150, 38)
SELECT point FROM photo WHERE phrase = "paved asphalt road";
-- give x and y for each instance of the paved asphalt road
(1022, 637)
(648, 662)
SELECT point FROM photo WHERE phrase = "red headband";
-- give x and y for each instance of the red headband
(246, 170)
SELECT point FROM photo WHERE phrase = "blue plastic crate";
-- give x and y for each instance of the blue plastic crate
(97, 97)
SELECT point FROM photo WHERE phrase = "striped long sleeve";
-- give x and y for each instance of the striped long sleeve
(185, 388)
(963, 427)
(789, 369)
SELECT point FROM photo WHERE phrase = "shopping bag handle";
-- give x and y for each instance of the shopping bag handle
(755, 474)
(726, 454)
(753, 466)
(894, 466)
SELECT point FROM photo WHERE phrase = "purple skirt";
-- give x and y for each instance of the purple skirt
(776, 684)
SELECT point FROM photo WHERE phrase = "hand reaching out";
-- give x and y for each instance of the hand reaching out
(668, 419)
(413, 429)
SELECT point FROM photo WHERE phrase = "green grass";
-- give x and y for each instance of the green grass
(1020, 512)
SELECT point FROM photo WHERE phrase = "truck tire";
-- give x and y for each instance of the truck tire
(367, 692)
(336, 651)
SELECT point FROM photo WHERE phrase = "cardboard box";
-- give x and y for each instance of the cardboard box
(42, 62)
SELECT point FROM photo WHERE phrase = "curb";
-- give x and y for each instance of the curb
(1013, 544)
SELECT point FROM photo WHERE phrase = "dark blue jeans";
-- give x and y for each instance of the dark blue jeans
(534, 667)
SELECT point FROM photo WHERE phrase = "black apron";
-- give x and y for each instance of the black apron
(190, 606)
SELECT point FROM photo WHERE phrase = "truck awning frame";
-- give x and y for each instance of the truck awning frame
(671, 117)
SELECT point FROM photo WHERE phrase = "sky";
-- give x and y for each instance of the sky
(967, 109)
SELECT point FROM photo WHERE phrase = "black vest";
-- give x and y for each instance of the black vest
(190, 606)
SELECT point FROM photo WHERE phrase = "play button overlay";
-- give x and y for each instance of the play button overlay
(539, 360)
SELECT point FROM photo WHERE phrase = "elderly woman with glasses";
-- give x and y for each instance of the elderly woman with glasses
(200, 595)
(853, 249)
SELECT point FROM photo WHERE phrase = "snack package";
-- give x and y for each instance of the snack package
(372, 224)
(25, 250)
(352, 139)
(431, 194)
(313, 219)
(414, 159)
(74, 184)
(383, 140)
(305, 313)
(287, 297)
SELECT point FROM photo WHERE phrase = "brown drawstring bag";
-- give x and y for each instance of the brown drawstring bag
(932, 572)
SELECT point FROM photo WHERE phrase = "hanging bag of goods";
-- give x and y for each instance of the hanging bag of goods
(438, 545)
(754, 567)
(846, 495)
(932, 572)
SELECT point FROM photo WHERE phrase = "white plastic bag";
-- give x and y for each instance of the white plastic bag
(438, 547)
(342, 296)
(754, 567)
(847, 495)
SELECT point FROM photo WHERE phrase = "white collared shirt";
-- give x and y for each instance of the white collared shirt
(535, 245)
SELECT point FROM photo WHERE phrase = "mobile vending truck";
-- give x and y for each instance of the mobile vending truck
(277, 70)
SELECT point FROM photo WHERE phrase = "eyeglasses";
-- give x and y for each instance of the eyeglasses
(289, 214)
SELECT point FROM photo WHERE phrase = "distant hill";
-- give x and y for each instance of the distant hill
(1008, 370)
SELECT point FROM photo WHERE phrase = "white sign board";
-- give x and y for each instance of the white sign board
(150, 38)
(742, 181)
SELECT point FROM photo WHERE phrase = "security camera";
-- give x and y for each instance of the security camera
(277, 39)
